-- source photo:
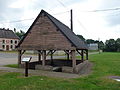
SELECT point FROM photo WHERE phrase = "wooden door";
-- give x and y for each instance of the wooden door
(7, 47)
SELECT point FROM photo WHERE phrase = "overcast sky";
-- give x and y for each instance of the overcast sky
(87, 22)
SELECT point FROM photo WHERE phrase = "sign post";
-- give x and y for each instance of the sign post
(26, 60)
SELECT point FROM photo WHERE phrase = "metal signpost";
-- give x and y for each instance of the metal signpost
(26, 60)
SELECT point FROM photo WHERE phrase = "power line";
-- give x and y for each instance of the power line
(61, 13)
(62, 3)
(18, 20)
(103, 10)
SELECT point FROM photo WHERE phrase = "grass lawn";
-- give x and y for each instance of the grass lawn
(12, 65)
(105, 64)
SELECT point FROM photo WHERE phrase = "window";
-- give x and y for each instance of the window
(3, 46)
(11, 46)
(15, 42)
(11, 41)
(3, 41)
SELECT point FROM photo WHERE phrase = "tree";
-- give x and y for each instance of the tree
(90, 41)
(118, 44)
(110, 45)
(20, 34)
(81, 37)
(101, 45)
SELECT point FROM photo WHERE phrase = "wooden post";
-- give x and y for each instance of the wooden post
(51, 56)
(26, 69)
(86, 54)
(43, 57)
(73, 60)
(39, 55)
(68, 57)
(19, 57)
(82, 55)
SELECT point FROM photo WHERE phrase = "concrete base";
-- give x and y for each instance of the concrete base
(67, 69)
(40, 67)
(81, 68)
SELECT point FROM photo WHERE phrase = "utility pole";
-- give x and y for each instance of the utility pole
(71, 14)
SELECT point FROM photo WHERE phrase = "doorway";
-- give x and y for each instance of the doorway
(7, 47)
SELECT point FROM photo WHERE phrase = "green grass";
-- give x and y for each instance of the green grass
(12, 65)
(93, 51)
(105, 64)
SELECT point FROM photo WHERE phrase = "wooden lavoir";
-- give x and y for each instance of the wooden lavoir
(49, 34)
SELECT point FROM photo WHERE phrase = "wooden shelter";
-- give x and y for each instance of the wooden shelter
(49, 34)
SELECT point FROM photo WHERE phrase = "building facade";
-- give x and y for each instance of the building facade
(93, 46)
(8, 40)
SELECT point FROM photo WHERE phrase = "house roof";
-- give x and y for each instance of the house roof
(8, 34)
(65, 30)
(70, 35)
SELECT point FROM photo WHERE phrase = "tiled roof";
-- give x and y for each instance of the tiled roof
(65, 30)
(70, 35)
(8, 34)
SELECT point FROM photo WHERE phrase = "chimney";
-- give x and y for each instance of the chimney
(14, 30)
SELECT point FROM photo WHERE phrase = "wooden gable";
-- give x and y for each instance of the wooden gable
(44, 35)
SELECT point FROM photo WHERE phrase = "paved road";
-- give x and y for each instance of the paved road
(11, 58)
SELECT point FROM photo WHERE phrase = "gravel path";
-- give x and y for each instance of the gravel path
(41, 73)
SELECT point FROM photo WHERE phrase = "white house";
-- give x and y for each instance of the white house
(93, 46)
(8, 39)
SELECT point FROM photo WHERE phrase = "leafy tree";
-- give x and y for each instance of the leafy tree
(110, 45)
(118, 44)
(20, 34)
(101, 45)
(90, 41)
(81, 37)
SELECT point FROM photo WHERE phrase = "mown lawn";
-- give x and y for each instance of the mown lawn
(105, 64)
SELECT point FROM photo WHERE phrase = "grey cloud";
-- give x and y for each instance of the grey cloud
(113, 18)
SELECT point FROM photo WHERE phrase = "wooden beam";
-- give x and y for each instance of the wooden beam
(23, 52)
(79, 52)
(48, 53)
(67, 53)
(40, 52)
(73, 60)
(53, 51)
(19, 57)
